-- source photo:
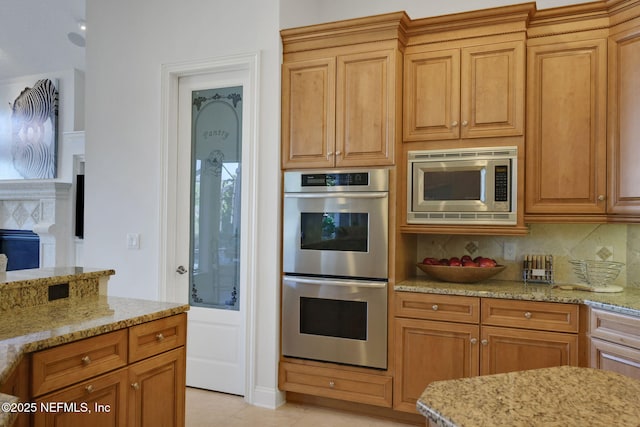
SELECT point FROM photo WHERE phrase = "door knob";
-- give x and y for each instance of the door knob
(181, 269)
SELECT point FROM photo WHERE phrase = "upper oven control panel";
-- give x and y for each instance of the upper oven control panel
(325, 181)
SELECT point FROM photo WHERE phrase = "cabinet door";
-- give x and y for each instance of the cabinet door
(510, 349)
(157, 390)
(624, 126)
(366, 108)
(432, 95)
(492, 90)
(308, 113)
(566, 128)
(617, 358)
(17, 384)
(99, 402)
(428, 351)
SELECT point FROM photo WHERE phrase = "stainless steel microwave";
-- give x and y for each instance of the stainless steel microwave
(463, 186)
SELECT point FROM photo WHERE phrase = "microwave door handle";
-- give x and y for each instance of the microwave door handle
(377, 195)
(336, 282)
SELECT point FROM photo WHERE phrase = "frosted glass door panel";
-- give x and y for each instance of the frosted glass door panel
(215, 197)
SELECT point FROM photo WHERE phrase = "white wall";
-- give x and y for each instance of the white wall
(297, 13)
(126, 45)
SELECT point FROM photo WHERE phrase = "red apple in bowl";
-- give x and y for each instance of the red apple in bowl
(487, 262)
(469, 263)
(455, 262)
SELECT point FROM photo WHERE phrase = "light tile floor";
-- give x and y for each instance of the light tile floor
(209, 409)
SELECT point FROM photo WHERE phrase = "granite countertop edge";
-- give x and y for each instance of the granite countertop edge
(49, 275)
(625, 302)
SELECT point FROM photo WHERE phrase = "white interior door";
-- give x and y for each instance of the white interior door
(210, 232)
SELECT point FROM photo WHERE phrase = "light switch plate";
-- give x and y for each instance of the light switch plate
(133, 241)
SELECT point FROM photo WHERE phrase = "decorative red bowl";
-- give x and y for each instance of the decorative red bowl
(460, 274)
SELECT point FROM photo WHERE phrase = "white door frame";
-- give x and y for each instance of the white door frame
(171, 73)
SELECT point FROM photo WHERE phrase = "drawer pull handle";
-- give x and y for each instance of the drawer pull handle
(484, 342)
(135, 386)
(527, 315)
(332, 384)
(434, 307)
(86, 360)
(160, 337)
(89, 388)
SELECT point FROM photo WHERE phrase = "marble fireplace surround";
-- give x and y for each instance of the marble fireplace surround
(43, 207)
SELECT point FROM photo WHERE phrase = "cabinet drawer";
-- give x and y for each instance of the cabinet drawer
(451, 308)
(105, 397)
(158, 336)
(614, 327)
(67, 364)
(544, 316)
(336, 384)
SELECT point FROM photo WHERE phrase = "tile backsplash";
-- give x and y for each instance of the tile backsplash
(611, 242)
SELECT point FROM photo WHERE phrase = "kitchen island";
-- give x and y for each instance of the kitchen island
(44, 309)
(558, 396)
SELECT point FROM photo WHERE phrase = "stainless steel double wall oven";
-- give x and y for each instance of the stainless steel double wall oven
(335, 261)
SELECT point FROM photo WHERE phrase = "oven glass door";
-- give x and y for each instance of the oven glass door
(342, 321)
(336, 234)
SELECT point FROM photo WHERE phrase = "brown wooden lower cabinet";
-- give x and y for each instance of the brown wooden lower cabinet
(429, 351)
(99, 402)
(335, 383)
(432, 350)
(103, 389)
(510, 349)
(157, 390)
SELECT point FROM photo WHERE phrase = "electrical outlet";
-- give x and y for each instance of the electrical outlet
(133, 241)
(509, 251)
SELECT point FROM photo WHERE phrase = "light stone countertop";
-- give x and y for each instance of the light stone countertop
(84, 314)
(561, 396)
(625, 302)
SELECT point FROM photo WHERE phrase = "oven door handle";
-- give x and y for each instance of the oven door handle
(376, 195)
(333, 282)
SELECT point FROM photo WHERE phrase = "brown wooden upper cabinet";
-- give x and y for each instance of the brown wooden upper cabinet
(340, 99)
(623, 199)
(474, 90)
(583, 69)
(566, 126)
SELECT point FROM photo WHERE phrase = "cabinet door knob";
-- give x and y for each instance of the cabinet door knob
(454, 123)
(484, 342)
(135, 386)
(338, 153)
(160, 337)
(465, 123)
(601, 198)
(527, 315)
(89, 388)
(86, 360)
(435, 307)
(332, 384)
(474, 340)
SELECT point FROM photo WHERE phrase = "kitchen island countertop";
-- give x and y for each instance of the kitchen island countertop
(28, 325)
(559, 396)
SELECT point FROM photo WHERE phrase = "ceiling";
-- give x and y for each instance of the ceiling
(34, 36)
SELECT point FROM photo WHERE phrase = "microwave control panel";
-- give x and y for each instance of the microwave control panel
(501, 184)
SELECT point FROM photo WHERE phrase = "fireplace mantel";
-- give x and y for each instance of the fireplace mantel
(43, 207)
